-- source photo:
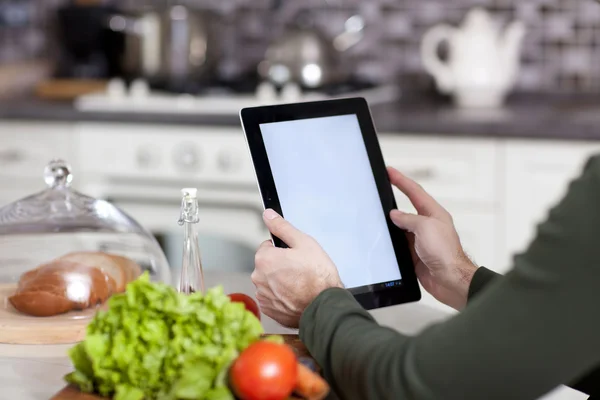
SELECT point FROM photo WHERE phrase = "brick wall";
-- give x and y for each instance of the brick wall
(561, 50)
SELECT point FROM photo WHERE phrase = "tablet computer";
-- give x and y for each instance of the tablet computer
(320, 166)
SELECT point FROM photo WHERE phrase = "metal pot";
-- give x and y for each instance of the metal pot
(171, 48)
(304, 55)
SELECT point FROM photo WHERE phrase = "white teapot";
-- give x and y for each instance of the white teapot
(483, 62)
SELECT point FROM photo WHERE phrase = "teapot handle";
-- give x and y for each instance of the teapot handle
(432, 62)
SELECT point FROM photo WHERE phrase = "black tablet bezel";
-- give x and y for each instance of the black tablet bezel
(252, 118)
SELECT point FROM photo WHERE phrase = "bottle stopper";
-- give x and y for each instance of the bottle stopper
(189, 192)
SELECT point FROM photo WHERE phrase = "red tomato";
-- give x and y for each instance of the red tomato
(264, 371)
(248, 301)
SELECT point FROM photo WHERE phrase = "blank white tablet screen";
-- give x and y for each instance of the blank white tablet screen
(326, 189)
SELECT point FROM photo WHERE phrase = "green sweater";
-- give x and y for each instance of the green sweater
(525, 334)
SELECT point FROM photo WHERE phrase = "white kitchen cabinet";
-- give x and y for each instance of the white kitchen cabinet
(461, 170)
(537, 176)
(479, 237)
(145, 152)
(25, 149)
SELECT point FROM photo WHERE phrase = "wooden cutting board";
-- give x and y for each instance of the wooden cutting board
(72, 393)
(18, 328)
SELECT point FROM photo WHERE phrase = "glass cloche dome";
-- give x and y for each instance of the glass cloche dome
(62, 255)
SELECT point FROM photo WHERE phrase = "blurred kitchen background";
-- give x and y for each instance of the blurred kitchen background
(492, 105)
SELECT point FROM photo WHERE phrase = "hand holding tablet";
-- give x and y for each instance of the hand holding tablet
(301, 272)
(319, 165)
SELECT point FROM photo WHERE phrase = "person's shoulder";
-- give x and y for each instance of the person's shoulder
(592, 165)
(591, 172)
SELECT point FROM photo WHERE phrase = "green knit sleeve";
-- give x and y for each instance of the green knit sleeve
(525, 334)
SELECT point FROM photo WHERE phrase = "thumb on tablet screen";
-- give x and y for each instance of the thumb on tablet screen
(282, 228)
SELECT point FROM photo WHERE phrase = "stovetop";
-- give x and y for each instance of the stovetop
(248, 83)
(221, 99)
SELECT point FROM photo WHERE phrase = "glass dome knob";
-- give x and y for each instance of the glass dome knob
(58, 174)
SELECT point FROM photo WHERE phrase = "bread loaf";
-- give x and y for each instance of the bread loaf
(73, 282)
(102, 261)
(40, 304)
(130, 268)
(61, 286)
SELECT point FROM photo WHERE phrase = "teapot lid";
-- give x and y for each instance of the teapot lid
(479, 19)
(59, 208)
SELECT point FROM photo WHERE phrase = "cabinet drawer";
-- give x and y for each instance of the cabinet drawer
(26, 148)
(450, 169)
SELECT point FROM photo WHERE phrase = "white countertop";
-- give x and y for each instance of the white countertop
(35, 372)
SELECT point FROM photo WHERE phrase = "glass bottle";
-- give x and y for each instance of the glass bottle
(192, 277)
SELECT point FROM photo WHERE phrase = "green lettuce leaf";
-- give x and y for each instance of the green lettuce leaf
(156, 343)
(219, 393)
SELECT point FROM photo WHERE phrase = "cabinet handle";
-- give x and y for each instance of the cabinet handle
(10, 156)
(424, 173)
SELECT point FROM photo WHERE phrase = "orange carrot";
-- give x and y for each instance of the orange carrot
(310, 385)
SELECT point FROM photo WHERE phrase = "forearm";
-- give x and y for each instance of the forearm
(459, 283)
(472, 356)
(358, 357)
(524, 335)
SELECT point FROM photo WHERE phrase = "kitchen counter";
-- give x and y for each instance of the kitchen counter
(35, 372)
(525, 116)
